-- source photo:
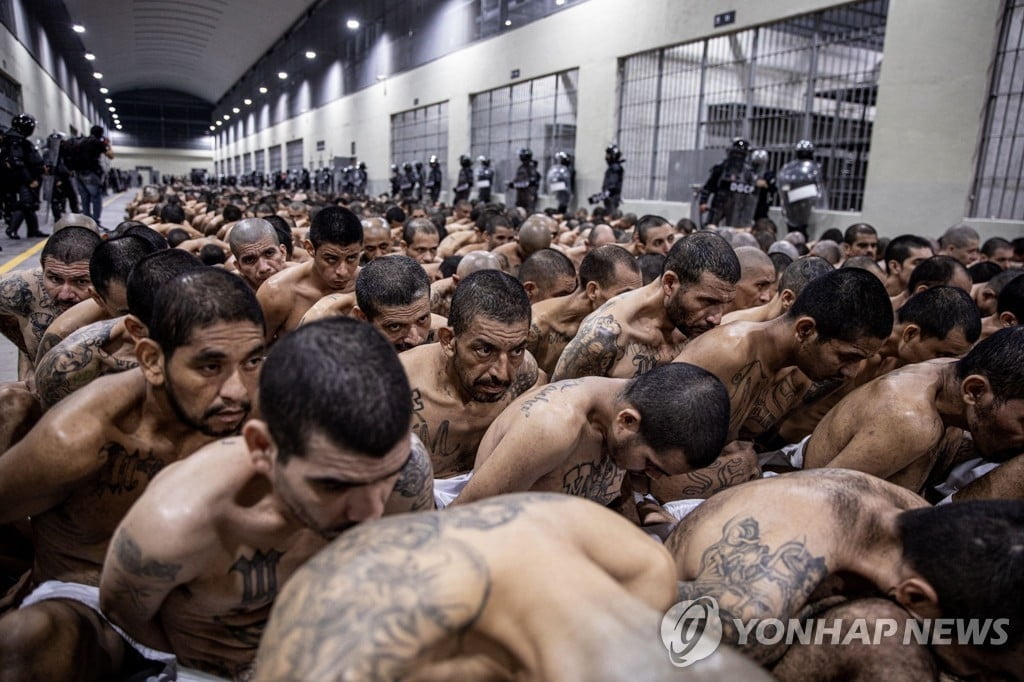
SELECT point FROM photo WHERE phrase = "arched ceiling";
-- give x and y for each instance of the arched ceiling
(201, 47)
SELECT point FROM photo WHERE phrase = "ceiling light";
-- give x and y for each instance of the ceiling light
(213, 127)
(246, 101)
(220, 123)
(263, 90)
(90, 56)
(108, 100)
(508, 22)
(282, 75)
(78, 28)
(97, 75)
(559, 2)
(118, 126)
(310, 54)
(352, 24)
(104, 90)
(111, 109)
(235, 110)
(226, 117)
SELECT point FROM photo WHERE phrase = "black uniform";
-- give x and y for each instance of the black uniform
(526, 183)
(21, 166)
(464, 183)
(433, 183)
(611, 188)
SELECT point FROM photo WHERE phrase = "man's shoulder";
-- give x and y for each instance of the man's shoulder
(420, 362)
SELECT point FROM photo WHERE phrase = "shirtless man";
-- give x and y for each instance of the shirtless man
(420, 240)
(480, 366)
(258, 252)
(109, 266)
(933, 272)
(108, 346)
(474, 593)
(960, 242)
(582, 436)
(648, 327)
(1009, 309)
(546, 274)
(652, 234)
(90, 458)
(860, 239)
(36, 297)
(534, 234)
(605, 272)
(228, 525)
(986, 294)
(941, 322)
(376, 239)
(392, 294)
(902, 255)
(757, 276)
(791, 283)
(442, 290)
(917, 415)
(335, 242)
(762, 549)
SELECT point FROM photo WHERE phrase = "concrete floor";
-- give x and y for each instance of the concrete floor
(23, 254)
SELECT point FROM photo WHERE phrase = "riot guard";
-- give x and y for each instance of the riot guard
(526, 182)
(432, 183)
(802, 188)
(732, 186)
(361, 179)
(397, 178)
(484, 179)
(21, 167)
(559, 180)
(465, 181)
(408, 184)
(419, 179)
(764, 179)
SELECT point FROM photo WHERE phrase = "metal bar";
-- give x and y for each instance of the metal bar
(657, 122)
(751, 75)
(1013, 139)
(812, 78)
(701, 96)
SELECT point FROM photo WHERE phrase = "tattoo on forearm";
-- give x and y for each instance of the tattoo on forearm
(76, 361)
(130, 556)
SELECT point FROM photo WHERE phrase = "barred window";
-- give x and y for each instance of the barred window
(293, 154)
(1000, 170)
(260, 160)
(247, 162)
(418, 133)
(274, 156)
(238, 165)
(814, 76)
(539, 114)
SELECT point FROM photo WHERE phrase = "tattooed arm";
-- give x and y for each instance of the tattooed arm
(139, 572)
(737, 464)
(414, 490)
(16, 297)
(76, 361)
(593, 351)
(529, 376)
(752, 578)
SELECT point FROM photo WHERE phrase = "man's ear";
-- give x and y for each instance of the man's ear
(135, 328)
(261, 446)
(591, 290)
(669, 283)
(917, 596)
(973, 388)
(308, 245)
(788, 298)
(910, 332)
(1008, 319)
(920, 288)
(804, 328)
(358, 314)
(151, 360)
(98, 300)
(893, 267)
(446, 337)
(846, 249)
(531, 290)
(627, 421)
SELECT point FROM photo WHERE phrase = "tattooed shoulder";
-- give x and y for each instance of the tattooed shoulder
(416, 480)
(593, 351)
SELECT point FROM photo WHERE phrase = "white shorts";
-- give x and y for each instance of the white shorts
(447, 489)
(789, 456)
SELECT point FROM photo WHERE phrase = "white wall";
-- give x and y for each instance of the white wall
(166, 161)
(931, 93)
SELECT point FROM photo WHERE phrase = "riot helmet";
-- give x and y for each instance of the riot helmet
(759, 158)
(804, 149)
(739, 148)
(612, 153)
(418, 164)
(394, 168)
(484, 161)
(465, 161)
(525, 155)
(362, 165)
(562, 158)
(23, 124)
(434, 163)
(407, 166)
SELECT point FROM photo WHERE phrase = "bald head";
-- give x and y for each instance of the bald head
(477, 260)
(601, 235)
(76, 220)
(829, 250)
(376, 238)
(535, 234)
(257, 250)
(757, 277)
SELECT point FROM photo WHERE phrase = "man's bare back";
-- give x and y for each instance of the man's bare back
(288, 295)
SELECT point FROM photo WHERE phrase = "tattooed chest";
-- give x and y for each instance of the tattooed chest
(640, 358)
(452, 443)
(599, 481)
(769, 404)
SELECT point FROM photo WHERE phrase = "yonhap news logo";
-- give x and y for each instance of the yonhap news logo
(691, 630)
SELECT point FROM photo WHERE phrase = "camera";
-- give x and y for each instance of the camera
(597, 198)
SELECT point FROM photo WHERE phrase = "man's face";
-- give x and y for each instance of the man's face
(625, 280)
(695, 308)
(1003, 257)
(920, 349)
(754, 287)
(864, 244)
(638, 458)
(258, 261)
(66, 283)
(460, 213)
(376, 243)
(336, 265)
(659, 239)
(997, 428)
(405, 326)
(423, 248)
(331, 488)
(966, 254)
(487, 357)
(834, 359)
(916, 257)
(502, 235)
(211, 381)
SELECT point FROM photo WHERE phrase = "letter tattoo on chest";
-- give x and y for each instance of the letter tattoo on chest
(593, 480)
(259, 576)
(124, 471)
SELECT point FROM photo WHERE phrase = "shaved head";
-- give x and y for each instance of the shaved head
(250, 231)
(477, 260)
(601, 235)
(751, 257)
(535, 233)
